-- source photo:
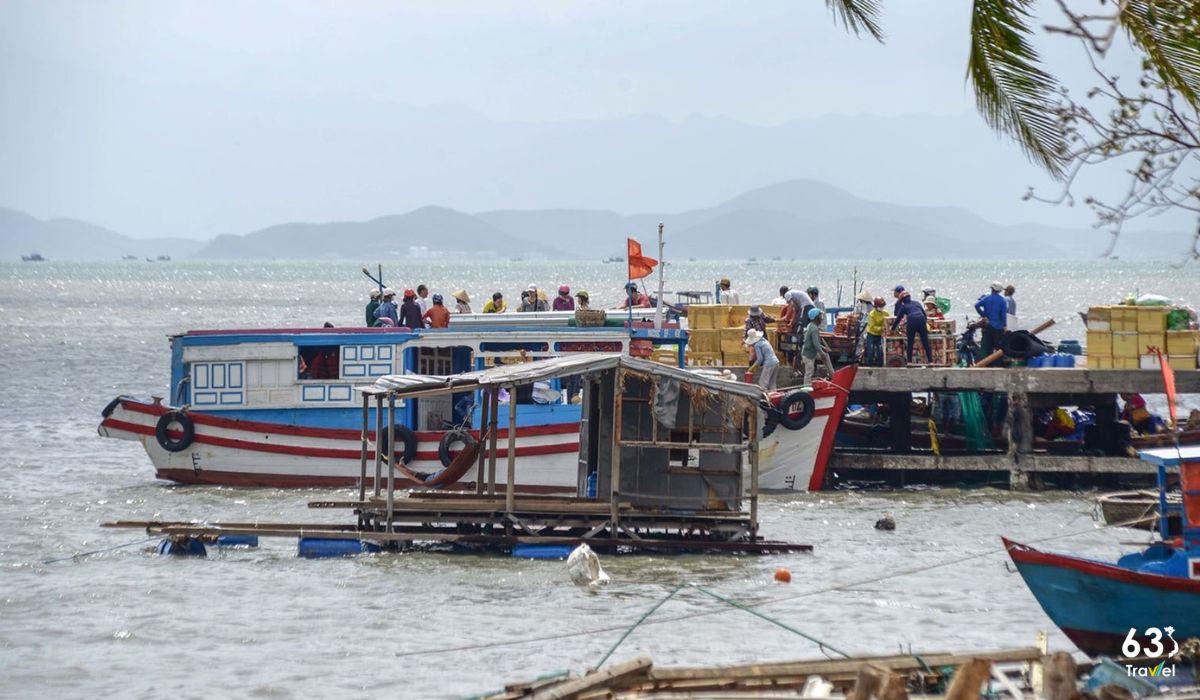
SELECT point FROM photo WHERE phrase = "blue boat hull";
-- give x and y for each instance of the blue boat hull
(1097, 604)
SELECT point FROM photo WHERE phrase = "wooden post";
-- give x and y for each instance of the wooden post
(1059, 677)
(969, 679)
(877, 683)
(378, 434)
(362, 478)
(495, 431)
(1018, 430)
(614, 476)
(483, 436)
(510, 497)
(753, 473)
(391, 472)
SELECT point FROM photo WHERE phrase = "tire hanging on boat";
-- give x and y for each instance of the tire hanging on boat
(407, 437)
(458, 435)
(162, 431)
(803, 401)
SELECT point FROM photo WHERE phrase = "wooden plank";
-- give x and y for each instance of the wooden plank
(1034, 462)
(830, 667)
(602, 677)
(1079, 380)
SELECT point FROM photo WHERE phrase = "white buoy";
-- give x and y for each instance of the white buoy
(584, 567)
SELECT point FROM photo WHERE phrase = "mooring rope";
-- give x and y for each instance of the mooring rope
(100, 551)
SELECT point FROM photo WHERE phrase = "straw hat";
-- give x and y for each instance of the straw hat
(755, 310)
(462, 296)
(752, 337)
(864, 296)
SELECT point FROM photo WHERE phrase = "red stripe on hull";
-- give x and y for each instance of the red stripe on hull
(327, 452)
(843, 379)
(286, 481)
(1028, 555)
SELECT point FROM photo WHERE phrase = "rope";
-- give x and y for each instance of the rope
(771, 601)
(100, 551)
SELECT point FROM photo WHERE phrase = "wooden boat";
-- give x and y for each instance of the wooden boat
(1136, 509)
(1102, 607)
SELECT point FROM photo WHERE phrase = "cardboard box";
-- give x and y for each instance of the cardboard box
(1125, 345)
(1099, 342)
(704, 341)
(1099, 361)
(1182, 342)
(1179, 362)
(1152, 319)
(731, 340)
(707, 317)
(1151, 340)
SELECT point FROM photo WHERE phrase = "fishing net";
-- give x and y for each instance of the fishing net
(974, 424)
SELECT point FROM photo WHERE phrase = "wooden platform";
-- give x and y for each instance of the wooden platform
(1021, 380)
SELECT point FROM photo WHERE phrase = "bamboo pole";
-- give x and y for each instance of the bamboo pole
(362, 478)
(494, 430)
(510, 497)
(391, 473)
(483, 436)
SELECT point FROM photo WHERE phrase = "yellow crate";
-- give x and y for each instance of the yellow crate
(736, 315)
(1125, 345)
(731, 340)
(1149, 340)
(1182, 361)
(773, 337)
(1099, 313)
(703, 359)
(736, 359)
(704, 340)
(1099, 342)
(1152, 319)
(707, 316)
(1126, 363)
(1182, 342)
(1099, 361)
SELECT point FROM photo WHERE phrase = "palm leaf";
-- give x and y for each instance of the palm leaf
(1012, 92)
(1168, 32)
(858, 16)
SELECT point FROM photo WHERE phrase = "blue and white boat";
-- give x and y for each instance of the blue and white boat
(1144, 600)
(276, 407)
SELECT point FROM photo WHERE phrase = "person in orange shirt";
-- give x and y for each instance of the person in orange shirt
(438, 316)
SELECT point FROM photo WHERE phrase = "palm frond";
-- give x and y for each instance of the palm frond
(1012, 92)
(1168, 32)
(858, 16)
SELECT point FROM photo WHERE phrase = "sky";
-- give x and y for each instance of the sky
(201, 118)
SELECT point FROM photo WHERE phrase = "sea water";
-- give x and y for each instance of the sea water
(264, 623)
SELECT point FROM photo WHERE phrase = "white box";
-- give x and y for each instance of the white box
(1099, 325)
(1149, 362)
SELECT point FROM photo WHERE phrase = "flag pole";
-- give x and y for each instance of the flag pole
(658, 308)
(629, 278)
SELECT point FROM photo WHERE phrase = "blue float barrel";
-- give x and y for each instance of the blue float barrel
(542, 551)
(190, 547)
(237, 540)
(590, 491)
(325, 548)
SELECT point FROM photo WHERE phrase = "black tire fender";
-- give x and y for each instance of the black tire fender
(457, 435)
(796, 400)
(407, 437)
(162, 431)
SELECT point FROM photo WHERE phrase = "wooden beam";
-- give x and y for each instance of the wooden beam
(1035, 462)
(614, 673)
(512, 449)
(365, 448)
(1079, 380)
(614, 475)
(495, 440)
(483, 439)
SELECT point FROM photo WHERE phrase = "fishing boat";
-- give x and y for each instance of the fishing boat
(33, 257)
(1136, 509)
(276, 407)
(1146, 598)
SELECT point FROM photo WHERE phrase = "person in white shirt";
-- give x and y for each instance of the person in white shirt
(779, 300)
(423, 297)
(728, 295)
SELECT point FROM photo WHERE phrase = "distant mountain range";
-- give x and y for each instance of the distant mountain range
(796, 219)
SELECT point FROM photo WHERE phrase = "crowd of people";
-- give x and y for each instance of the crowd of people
(417, 308)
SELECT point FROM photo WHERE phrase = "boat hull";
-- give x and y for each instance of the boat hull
(1097, 604)
(237, 452)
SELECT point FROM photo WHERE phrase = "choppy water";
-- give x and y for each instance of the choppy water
(266, 624)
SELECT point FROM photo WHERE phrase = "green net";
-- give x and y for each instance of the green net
(1177, 320)
(974, 424)
(943, 304)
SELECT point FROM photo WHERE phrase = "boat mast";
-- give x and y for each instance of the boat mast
(658, 308)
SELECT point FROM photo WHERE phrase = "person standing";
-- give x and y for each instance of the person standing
(813, 350)
(387, 309)
(438, 316)
(1011, 301)
(913, 315)
(994, 308)
(780, 300)
(756, 320)
(373, 304)
(410, 311)
(496, 305)
(423, 297)
(763, 355)
(564, 302)
(462, 302)
(728, 294)
(873, 345)
(814, 294)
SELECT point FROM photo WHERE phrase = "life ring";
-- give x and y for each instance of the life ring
(407, 436)
(806, 407)
(459, 436)
(162, 431)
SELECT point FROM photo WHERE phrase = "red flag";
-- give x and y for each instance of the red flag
(1168, 375)
(639, 265)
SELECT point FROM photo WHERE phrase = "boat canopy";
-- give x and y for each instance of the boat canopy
(402, 385)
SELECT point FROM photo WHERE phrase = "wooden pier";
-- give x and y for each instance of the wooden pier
(1028, 391)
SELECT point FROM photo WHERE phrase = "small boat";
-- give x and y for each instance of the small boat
(163, 258)
(614, 259)
(35, 257)
(1136, 509)
(129, 257)
(1151, 597)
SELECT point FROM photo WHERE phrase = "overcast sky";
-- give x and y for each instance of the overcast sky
(69, 68)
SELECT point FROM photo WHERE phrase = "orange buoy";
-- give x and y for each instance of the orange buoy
(783, 575)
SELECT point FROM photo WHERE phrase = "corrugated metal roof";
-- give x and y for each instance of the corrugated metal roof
(550, 368)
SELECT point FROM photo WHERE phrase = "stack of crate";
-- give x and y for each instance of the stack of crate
(716, 331)
(1123, 337)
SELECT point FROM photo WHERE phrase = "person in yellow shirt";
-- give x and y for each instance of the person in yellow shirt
(876, 319)
(496, 305)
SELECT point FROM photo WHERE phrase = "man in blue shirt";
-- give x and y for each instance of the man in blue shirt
(388, 308)
(994, 308)
(915, 323)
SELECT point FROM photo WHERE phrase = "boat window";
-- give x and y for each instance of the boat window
(318, 362)
(436, 361)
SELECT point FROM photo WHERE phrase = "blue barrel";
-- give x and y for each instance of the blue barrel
(237, 541)
(190, 547)
(326, 548)
(590, 490)
(542, 551)
(1071, 347)
(1068, 359)
(1036, 361)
